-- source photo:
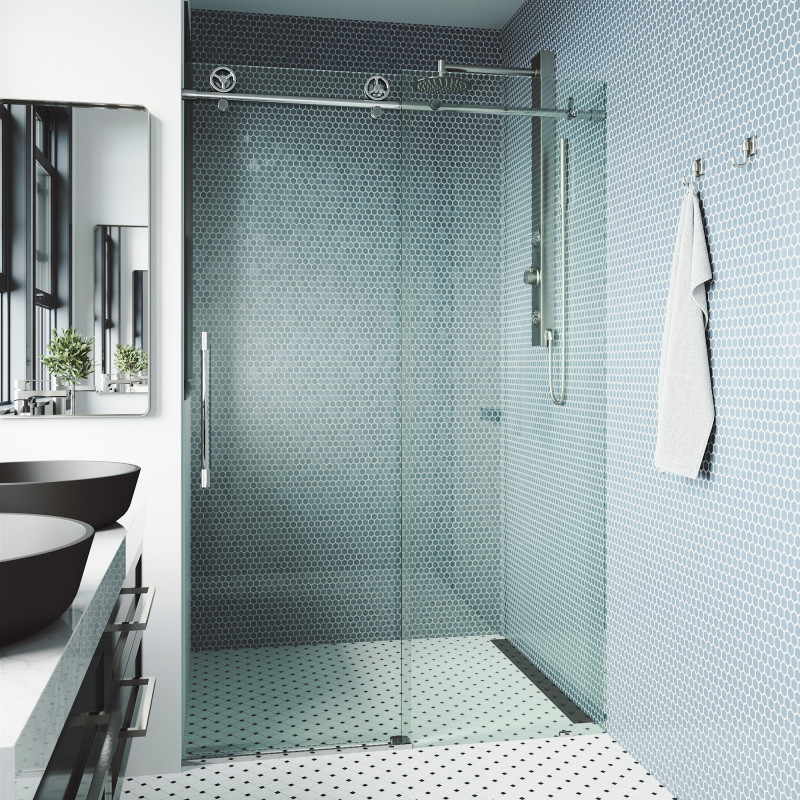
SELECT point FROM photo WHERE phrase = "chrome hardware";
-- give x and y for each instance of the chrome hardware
(533, 276)
(110, 385)
(376, 112)
(536, 111)
(698, 169)
(571, 110)
(30, 401)
(222, 104)
(549, 334)
(205, 473)
(147, 704)
(222, 79)
(443, 67)
(543, 143)
(147, 593)
(376, 88)
(749, 149)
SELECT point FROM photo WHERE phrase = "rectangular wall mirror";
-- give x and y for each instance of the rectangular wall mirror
(74, 260)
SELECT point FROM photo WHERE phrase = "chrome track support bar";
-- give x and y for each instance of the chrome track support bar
(556, 113)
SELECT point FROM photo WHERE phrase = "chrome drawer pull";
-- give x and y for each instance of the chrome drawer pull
(147, 702)
(148, 593)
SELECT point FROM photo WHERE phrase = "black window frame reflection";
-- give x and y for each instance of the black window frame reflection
(31, 307)
(5, 260)
(49, 132)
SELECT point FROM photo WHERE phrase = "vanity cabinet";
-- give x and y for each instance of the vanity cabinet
(112, 707)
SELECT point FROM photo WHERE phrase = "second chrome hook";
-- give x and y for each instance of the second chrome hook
(749, 149)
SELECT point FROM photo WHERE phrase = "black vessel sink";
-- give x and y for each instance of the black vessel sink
(41, 566)
(96, 492)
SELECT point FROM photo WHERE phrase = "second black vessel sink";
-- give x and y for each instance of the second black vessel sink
(95, 492)
(41, 564)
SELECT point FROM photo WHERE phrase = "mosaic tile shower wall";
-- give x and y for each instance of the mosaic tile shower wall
(452, 255)
(296, 237)
(554, 456)
(269, 40)
(703, 610)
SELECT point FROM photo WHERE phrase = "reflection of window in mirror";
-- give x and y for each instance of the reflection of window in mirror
(50, 189)
(36, 175)
(122, 261)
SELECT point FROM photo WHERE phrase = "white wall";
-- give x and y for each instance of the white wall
(124, 51)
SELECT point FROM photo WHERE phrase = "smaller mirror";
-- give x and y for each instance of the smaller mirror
(121, 296)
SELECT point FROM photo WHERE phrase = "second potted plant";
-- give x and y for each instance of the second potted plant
(69, 359)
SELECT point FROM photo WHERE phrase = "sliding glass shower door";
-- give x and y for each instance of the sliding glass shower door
(295, 546)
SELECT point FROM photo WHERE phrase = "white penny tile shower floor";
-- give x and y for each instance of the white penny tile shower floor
(582, 767)
(455, 691)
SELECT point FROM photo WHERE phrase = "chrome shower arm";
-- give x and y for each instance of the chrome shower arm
(444, 68)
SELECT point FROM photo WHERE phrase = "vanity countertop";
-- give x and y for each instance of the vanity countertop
(40, 675)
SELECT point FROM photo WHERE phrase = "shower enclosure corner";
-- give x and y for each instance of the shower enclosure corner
(398, 536)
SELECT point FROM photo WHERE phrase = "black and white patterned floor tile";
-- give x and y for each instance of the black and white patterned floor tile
(455, 691)
(566, 768)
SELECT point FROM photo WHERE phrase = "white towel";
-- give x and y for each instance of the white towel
(685, 401)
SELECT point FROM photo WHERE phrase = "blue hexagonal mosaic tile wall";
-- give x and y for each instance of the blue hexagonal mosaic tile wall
(703, 681)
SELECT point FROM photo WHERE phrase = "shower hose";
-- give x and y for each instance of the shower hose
(550, 335)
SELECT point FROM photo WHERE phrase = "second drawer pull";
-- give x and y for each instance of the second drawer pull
(147, 702)
(147, 593)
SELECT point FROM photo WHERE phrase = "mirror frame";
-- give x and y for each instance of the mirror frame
(149, 189)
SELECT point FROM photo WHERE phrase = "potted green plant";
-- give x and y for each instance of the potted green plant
(69, 359)
(130, 361)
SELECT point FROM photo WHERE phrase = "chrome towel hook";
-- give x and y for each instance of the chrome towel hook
(749, 149)
(698, 169)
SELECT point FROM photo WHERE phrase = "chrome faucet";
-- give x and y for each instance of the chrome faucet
(30, 401)
(109, 384)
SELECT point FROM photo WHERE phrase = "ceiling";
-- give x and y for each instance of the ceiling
(459, 13)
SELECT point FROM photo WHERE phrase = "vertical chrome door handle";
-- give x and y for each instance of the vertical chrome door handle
(205, 473)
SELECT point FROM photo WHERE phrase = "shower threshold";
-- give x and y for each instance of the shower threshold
(301, 752)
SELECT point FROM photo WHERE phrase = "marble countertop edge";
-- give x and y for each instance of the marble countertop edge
(30, 667)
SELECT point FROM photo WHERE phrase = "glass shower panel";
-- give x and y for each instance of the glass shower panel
(295, 547)
(503, 586)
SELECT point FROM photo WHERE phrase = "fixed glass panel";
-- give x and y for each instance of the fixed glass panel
(503, 582)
